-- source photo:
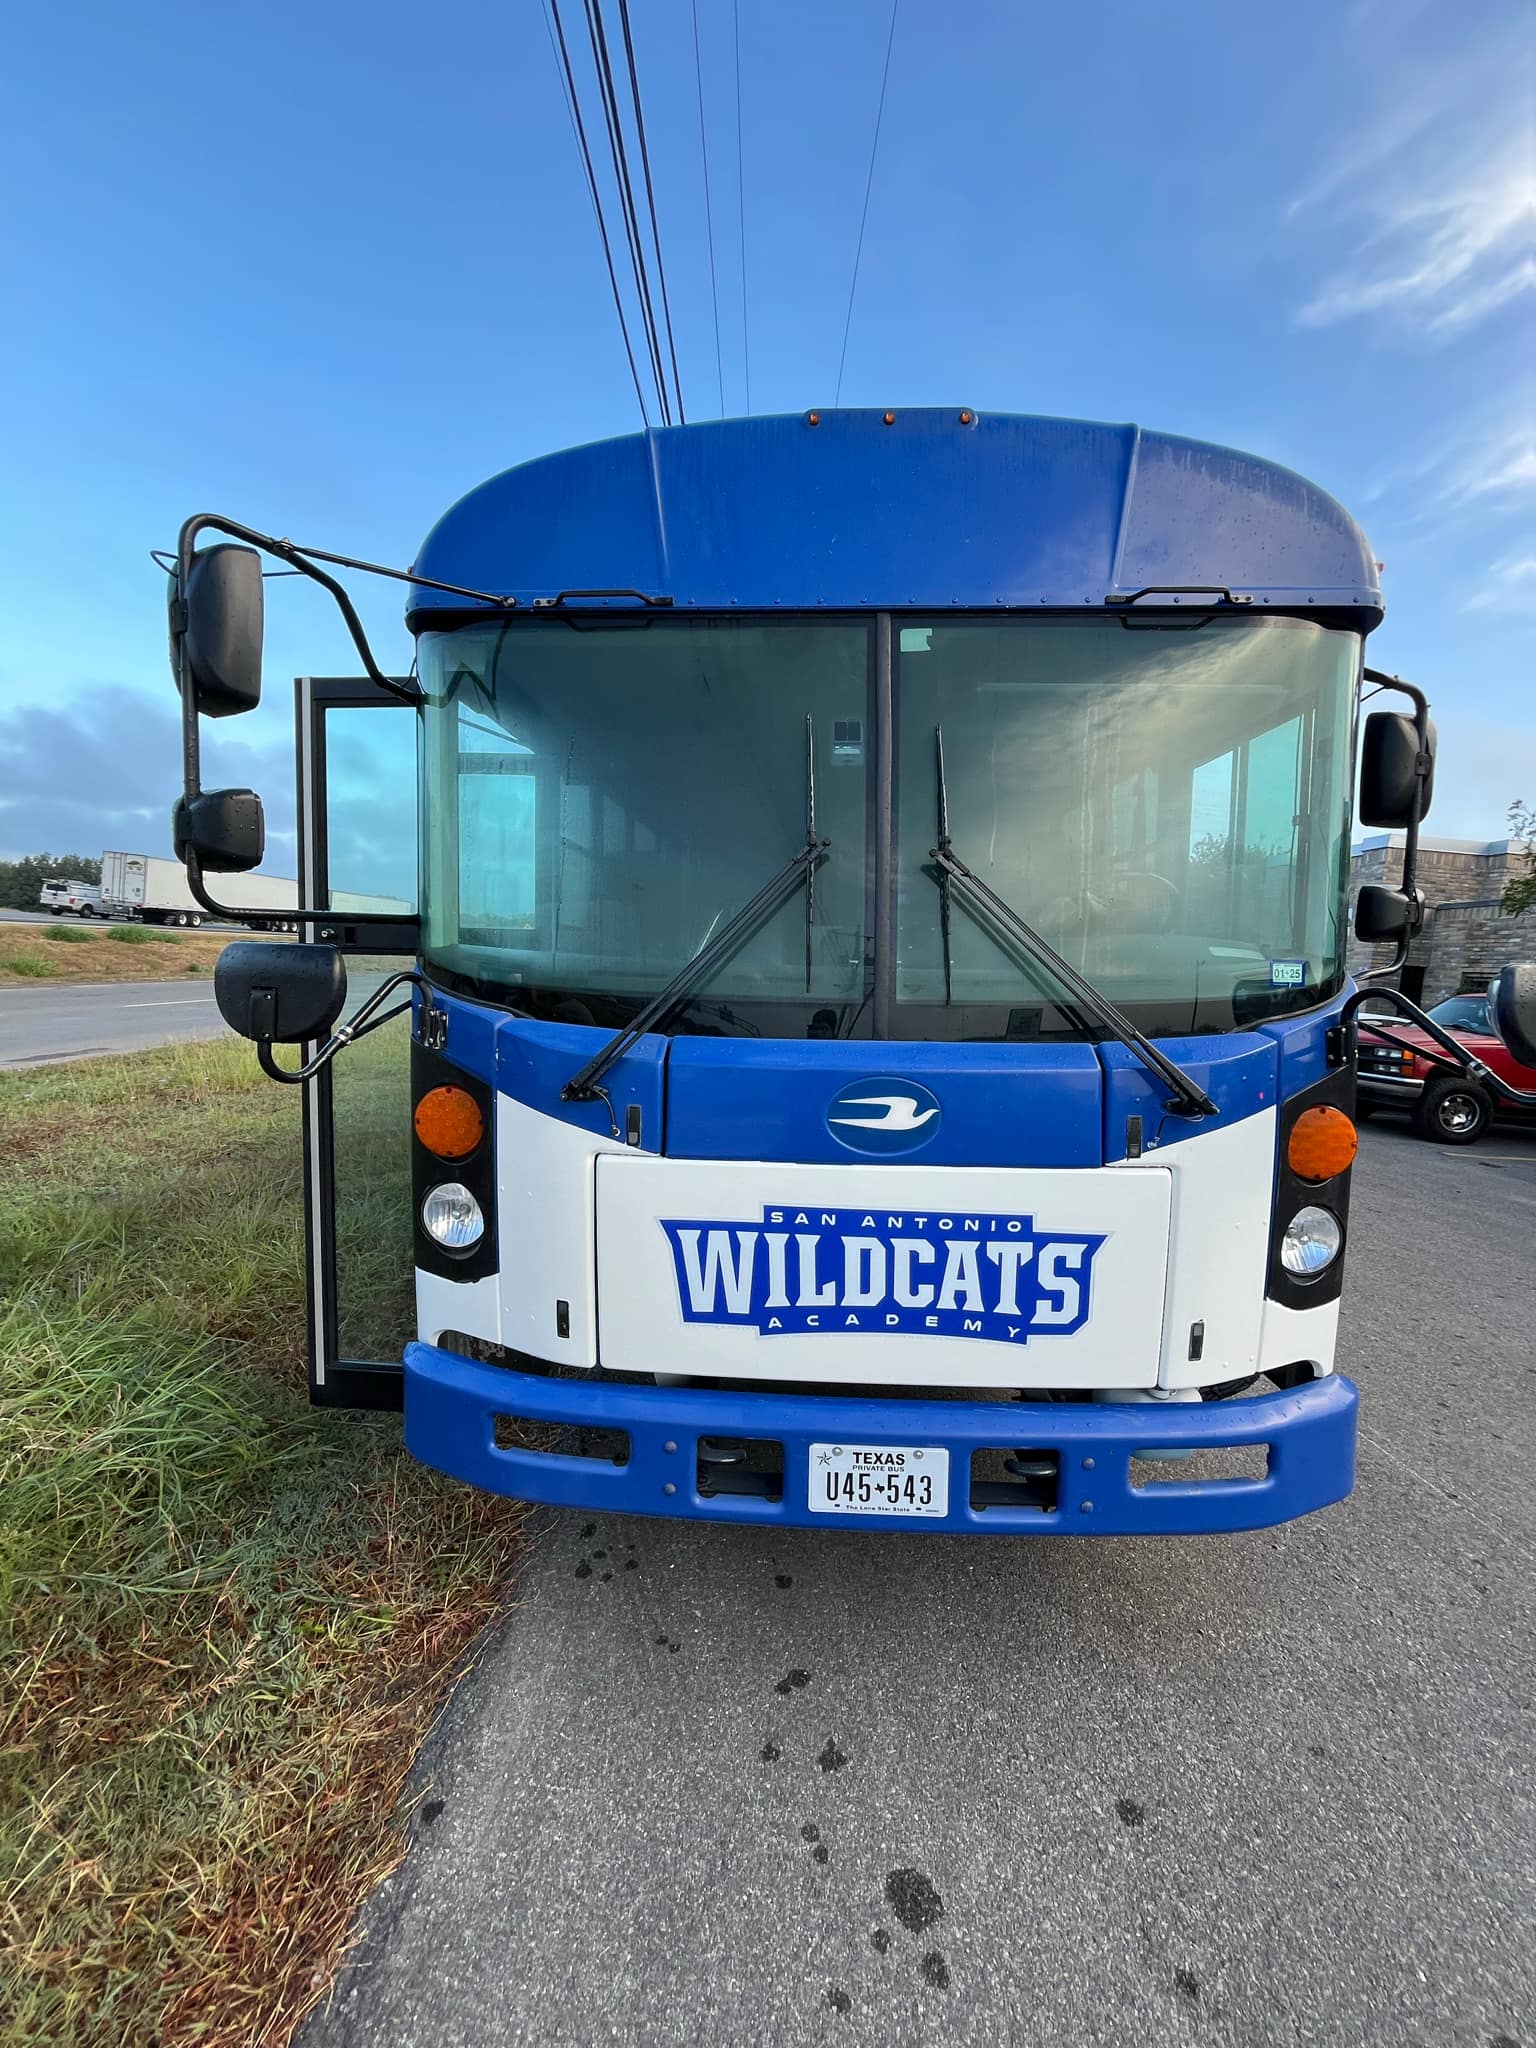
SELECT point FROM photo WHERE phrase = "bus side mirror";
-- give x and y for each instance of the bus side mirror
(1512, 1005)
(1382, 915)
(1389, 771)
(220, 622)
(225, 828)
(279, 994)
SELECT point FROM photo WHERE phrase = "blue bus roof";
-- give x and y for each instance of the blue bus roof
(937, 509)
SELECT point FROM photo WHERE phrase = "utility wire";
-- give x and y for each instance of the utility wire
(741, 205)
(650, 200)
(573, 107)
(620, 154)
(868, 188)
(709, 217)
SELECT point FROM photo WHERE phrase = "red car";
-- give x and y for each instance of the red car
(1451, 1109)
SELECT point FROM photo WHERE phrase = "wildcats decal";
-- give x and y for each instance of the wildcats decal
(996, 1278)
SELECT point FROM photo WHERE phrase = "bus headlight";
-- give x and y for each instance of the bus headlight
(1311, 1242)
(451, 1216)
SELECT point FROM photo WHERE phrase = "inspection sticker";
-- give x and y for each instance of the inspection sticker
(1287, 973)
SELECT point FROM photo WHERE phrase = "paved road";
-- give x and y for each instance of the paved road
(1260, 1789)
(43, 1024)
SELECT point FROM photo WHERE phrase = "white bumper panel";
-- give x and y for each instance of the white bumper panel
(950, 1276)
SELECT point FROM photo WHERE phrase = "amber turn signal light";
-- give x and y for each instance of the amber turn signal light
(1323, 1143)
(449, 1123)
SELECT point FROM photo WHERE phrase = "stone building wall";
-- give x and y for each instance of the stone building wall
(1466, 938)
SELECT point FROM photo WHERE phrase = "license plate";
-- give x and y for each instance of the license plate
(879, 1479)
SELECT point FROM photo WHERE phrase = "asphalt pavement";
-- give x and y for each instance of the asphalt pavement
(45, 1023)
(711, 1785)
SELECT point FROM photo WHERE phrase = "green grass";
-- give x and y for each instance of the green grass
(68, 935)
(139, 935)
(226, 1619)
(33, 966)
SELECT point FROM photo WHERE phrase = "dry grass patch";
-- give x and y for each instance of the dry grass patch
(34, 952)
(226, 1619)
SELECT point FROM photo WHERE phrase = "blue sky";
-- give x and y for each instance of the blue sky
(324, 268)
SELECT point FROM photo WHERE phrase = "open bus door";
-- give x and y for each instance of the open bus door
(358, 795)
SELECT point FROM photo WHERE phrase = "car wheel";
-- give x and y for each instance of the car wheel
(1452, 1111)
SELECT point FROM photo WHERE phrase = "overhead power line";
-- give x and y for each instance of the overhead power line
(741, 206)
(869, 185)
(573, 107)
(709, 216)
(620, 155)
(650, 200)
(660, 355)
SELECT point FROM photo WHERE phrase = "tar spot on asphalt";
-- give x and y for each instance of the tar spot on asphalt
(936, 1971)
(661, 1642)
(771, 1752)
(431, 1811)
(1187, 1982)
(793, 1681)
(631, 1564)
(913, 1899)
(583, 1570)
(599, 1553)
(782, 1580)
(831, 1758)
(879, 1940)
(1316, 1749)
(674, 1648)
(606, 1575)
(810, 1832)
(837, 1998)
(588, 1529)
(820, 1853)
(1503, 2041)
(1131, 1812)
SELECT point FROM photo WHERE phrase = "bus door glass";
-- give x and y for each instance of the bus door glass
(358, 808)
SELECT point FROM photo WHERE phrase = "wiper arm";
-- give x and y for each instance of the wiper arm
(716, 950)
(1189, 1099)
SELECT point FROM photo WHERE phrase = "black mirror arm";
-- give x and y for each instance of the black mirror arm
(358, 1026)
(1344, 1042)
(1422, 769)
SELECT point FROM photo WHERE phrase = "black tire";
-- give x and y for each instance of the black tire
(194, 918)
(1452, 1111)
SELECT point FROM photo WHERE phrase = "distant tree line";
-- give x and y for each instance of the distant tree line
(21, 881)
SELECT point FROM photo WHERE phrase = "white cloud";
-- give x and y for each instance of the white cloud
(1510, 586)
(1442, 191)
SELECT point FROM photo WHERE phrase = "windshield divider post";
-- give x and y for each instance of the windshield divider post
(883, 994)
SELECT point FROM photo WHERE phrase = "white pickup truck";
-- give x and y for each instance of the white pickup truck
(82, 899)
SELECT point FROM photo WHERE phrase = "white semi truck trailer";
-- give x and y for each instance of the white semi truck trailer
(146, 889)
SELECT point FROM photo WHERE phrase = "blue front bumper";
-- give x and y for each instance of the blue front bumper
(451, 1406)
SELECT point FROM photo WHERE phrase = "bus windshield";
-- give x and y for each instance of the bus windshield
(1168, 808)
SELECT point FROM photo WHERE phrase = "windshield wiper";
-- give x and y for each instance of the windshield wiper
(716, 950)
(1189, 1099)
